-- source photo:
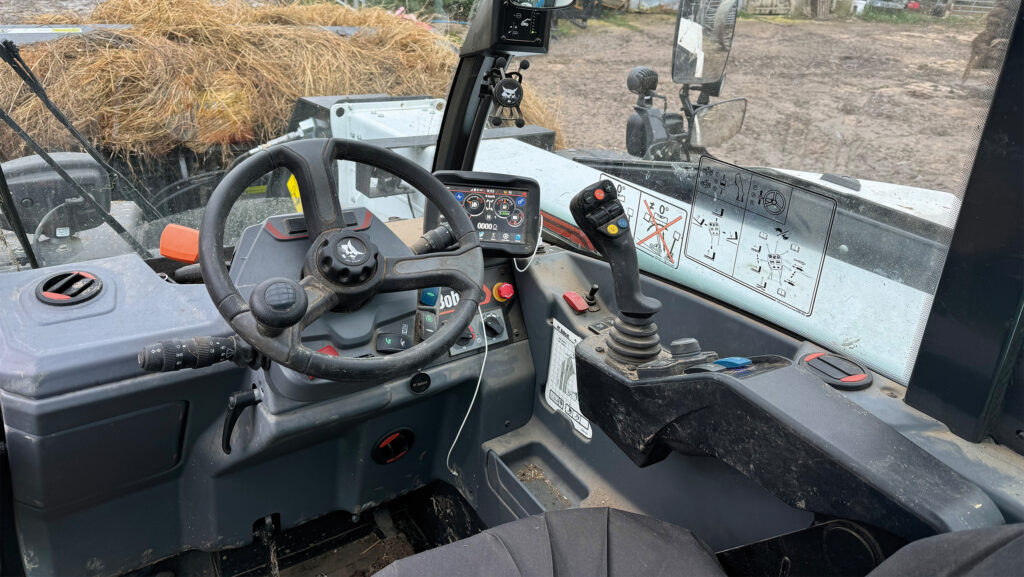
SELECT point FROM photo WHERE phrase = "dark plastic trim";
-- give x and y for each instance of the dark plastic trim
(974, 333)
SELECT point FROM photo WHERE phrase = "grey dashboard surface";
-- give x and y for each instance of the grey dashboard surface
(52, 350)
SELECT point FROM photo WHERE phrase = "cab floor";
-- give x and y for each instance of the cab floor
(338, 544)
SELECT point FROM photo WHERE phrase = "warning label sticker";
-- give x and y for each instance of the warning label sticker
(560, 393)
(660, 230)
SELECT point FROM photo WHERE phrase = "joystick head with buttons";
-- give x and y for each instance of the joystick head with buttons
(633, 339)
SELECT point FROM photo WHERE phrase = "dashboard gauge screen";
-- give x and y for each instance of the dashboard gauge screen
(504, 209)
(497, 213)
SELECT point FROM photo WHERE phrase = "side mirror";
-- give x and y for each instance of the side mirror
(717, 123)
(704, 34)
(542, 4)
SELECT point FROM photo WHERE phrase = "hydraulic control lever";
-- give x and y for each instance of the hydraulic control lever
(599, 214)
(633, 340)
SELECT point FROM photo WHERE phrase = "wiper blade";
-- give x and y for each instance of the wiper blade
(106, 216)
(9, 209)
(10, 54)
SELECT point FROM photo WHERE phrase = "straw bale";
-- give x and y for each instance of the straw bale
(201, 74)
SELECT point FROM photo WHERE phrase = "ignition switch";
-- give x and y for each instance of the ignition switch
(493, 326)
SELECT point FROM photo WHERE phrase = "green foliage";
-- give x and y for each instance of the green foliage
(620, 20)
(920, 17)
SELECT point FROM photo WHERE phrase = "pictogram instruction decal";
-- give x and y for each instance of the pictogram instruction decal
(761, 232)
(658, 223)
(560, 392)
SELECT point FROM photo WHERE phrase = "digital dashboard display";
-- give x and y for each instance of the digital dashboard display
(498, 214)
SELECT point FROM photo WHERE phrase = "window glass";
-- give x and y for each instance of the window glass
(856, 132)
(172, 93)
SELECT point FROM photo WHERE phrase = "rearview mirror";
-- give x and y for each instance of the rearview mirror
(703, 39)
(543, 4)
(718, 122)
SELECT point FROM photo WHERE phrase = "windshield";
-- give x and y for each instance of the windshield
(145, 104)
(825, 201)
(801, 161)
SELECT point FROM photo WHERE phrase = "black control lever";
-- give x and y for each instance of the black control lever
(237, 403)
(599, 214)
(196, 353)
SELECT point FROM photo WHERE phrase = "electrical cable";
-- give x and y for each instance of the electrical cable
(46, 219)
(10, 54)
(469, 409)
(106, 216)
(540, 232)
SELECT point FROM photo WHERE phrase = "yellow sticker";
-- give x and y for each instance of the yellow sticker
(293, 189)
(612, 229)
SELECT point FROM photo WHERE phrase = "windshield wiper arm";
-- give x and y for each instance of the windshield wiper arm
(9, 209)
(10, 54)
(106, 216)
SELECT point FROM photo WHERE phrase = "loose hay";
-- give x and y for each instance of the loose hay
(196, 74)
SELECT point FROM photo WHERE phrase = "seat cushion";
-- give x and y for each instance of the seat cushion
(990, 552)
(598, 542)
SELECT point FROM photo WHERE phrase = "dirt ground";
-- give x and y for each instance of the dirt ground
(878, 101)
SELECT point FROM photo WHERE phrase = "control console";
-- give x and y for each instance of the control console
(504, 209)
(502, 316)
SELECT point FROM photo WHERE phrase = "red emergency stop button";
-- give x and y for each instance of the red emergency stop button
(503, 291)
(575, 301)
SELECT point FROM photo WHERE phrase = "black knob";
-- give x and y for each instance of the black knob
(685, 347)
(493, 326)
(278, 303)
(347, 257)
(466, 337)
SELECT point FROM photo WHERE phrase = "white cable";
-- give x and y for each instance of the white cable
(540, 232)
(479, 379)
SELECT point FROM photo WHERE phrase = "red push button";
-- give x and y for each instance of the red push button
(576, 302)
(599, 194)
(327, 350)
(503, 291)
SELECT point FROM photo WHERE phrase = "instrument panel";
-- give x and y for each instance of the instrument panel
(504, 209)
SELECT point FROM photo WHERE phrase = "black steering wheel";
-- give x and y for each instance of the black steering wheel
(342, 269)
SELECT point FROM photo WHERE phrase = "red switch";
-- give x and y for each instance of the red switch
(576, 302)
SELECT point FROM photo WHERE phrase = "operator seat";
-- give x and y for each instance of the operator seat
(608, 542)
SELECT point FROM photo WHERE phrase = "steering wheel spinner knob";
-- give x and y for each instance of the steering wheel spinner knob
(347, 258)
(278, 303)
